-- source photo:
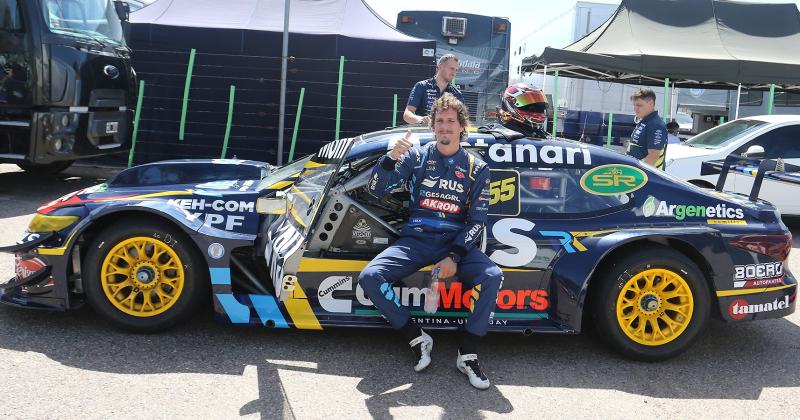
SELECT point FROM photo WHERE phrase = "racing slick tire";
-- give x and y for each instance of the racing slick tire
(652, 305)
(144, 276)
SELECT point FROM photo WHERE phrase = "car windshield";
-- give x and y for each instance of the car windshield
(304, 196)
(282, 173)
(724, 134)
(93, 19)
(682, 118)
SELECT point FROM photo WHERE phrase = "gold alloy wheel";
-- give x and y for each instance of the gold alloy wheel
(654, 307)
(142, 276)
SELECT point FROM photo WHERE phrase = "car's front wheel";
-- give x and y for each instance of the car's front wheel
(652, 305)
(144, 276)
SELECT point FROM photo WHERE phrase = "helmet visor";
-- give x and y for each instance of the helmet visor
(529, 98)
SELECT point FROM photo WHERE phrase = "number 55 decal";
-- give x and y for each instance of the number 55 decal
(504, 192)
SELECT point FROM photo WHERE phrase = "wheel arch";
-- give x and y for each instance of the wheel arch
(634, 244)
(99, 221)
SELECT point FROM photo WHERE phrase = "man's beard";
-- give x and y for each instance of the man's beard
(444, 140)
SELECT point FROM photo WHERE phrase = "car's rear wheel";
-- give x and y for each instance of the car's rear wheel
(652, 304)
(144, 276)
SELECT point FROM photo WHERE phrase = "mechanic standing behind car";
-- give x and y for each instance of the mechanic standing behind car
(447, 212)
(649, 139)
(425, 92)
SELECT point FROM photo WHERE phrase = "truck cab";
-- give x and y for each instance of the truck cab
(66, 82)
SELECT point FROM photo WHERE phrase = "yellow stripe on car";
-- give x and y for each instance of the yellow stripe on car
(300, 310)
(723, 293)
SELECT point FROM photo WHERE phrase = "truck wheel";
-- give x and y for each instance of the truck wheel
(45, 169)
(652, 305)
(144, 276)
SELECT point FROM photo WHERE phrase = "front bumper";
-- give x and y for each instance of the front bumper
(34, 284)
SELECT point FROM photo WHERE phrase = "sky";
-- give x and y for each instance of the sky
(526, 16)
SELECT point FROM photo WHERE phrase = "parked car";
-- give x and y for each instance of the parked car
(580, 232)
(765, 136)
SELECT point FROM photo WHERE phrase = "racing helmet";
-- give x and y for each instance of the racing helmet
(522, 105)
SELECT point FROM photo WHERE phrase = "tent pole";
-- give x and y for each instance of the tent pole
(296, 123)
(284, 61)
(394, 112)
(610, 121)
(555, 103)
(666, 99)
(671, 95)
(738, 96)
(339, 97)
(136, 122)
(771, 102)
(186, 86)
(228, 123)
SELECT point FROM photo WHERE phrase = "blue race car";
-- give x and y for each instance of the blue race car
(582, 233)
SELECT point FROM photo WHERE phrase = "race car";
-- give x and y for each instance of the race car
(584, 235)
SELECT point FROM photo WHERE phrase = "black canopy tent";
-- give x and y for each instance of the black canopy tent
(694, 43)
(238, 42)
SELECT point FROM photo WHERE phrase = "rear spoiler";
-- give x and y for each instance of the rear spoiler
(765, 167)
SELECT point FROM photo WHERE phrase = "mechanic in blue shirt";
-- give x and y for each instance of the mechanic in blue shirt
(649, 139)
(425, 92)
(449, 203)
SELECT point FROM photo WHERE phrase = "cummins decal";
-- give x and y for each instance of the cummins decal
(546, 154)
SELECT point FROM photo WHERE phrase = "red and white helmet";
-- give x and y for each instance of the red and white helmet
(523, 104)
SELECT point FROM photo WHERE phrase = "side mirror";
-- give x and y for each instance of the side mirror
(123, 10)
(754, 151)
(270, 205)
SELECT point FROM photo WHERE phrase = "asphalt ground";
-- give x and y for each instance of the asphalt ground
(73, 365)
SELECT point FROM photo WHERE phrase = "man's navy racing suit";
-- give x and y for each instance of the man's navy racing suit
(447, 213)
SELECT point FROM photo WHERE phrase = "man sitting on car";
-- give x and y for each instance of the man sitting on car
(448, 208)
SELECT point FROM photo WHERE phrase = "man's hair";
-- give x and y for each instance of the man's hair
(448, 101)
(673, 125)
(644, 93)
(445, 58)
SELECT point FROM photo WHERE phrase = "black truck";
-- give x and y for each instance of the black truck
(66, 82)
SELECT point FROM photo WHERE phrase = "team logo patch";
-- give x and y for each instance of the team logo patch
(439, 205)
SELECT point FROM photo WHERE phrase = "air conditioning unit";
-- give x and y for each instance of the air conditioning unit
(454, 27)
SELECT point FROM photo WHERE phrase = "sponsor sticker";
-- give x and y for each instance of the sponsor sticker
(541, 154)
(717, 214)
(26, 268)
(216, 250)
(758, 275)
(439, 205)
(504, 192)
(613, 179)
(740, 308)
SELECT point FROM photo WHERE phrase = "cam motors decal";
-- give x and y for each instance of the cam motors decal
(210, 211)
(719, 214)
(453, 296)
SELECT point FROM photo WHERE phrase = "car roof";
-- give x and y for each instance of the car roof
(776, 119)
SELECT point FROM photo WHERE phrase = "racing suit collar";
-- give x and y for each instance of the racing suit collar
(439, 155)
(651, 115)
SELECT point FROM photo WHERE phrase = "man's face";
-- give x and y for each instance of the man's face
(643, 107)
(447, 70)
(447, 128)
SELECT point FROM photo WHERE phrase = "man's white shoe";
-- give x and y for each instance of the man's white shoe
(422, 347)
(468, 365)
